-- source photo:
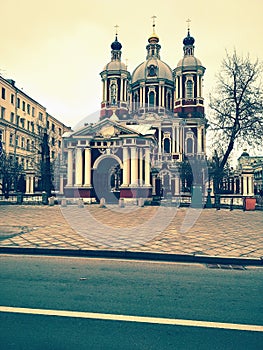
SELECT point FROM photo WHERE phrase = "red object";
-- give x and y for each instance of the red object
(250, 203)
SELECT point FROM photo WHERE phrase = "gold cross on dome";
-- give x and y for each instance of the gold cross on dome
(116, 27)
(188, 21)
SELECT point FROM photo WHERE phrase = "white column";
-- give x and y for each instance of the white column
(173, 139)
(163, 96)
(32, 178)
(143, 96)
(134, 166)
(181, 86)
(244, 185)
(154, 185)
(177, 139)
(176, 87)
(141, 166)
(125, 90)
(78, 179)
(27, 184)
(250, 186)
(105, 90)
(147, 167)
(121, 92)
(177, 185)
(70, 167)
(140, 96)
(61, 184)
(199, 140)
(126, 169)
(160, 139)
(87, 180)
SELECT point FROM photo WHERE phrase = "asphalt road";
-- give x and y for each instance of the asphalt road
(154, 290)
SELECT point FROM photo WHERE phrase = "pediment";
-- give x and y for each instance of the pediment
(106, 129)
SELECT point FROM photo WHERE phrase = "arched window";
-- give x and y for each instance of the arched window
(189, 146)
(113, 94)
(151, 99)
(189, 89)
(167, 145)
(168, 104)
(135, 101)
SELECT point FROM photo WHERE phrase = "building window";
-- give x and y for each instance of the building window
(1, 136)
(12, 98)
(47, 124)
(189, 146)
(113, 93)
(12, 117)
(2, 112)
(3, 93)
(168, 99)
(28, 145)
(23, 122)
(53, 141)
(167, 145)
(151, 99)
(189, 89)
(33, 111)
(53, 154)
(11, 139)
(53, 127)
(22, 142)
(24, 106)
(18, 102)
(17, 120)
(17, 140)
(59, 144)
(59, 131)
(28, 108)
(32, 145)
(40, 116)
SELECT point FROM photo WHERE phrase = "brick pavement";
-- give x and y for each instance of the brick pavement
(144, 229)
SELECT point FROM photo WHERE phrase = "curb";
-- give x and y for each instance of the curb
(128, 255)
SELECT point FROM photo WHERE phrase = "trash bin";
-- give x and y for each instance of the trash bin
(250, 203)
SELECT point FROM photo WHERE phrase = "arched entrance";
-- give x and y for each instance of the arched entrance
(107, 178)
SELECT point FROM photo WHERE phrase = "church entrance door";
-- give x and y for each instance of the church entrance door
(107, 178)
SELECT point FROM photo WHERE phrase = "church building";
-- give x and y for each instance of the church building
(151, 121)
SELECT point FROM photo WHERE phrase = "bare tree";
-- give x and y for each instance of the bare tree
(11, 173)
(236, 109)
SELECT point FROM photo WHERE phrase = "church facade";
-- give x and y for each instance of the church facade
(151, 121)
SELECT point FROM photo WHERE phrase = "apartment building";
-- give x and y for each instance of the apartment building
(23, 121)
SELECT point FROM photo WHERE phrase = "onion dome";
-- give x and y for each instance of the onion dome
(116, 45)
(189, 61)
(153, 39)
(115, 64)
(189, 40)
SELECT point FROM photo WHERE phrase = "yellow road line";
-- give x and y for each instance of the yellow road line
(128, 318)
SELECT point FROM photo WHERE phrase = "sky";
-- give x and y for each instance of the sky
(55, 49)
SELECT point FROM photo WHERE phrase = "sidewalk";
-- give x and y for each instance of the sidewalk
(207, 232)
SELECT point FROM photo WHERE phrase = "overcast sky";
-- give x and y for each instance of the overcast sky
(55, 49)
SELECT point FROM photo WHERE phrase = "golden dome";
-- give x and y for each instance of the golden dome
(153, 39)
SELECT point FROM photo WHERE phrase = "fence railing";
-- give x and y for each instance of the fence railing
(182, 200)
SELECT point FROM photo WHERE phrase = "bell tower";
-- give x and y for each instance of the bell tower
(115, 80)
(189, 100)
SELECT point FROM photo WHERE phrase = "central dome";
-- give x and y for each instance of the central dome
(151, 69)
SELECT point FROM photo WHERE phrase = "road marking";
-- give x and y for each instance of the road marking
(128, 318)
